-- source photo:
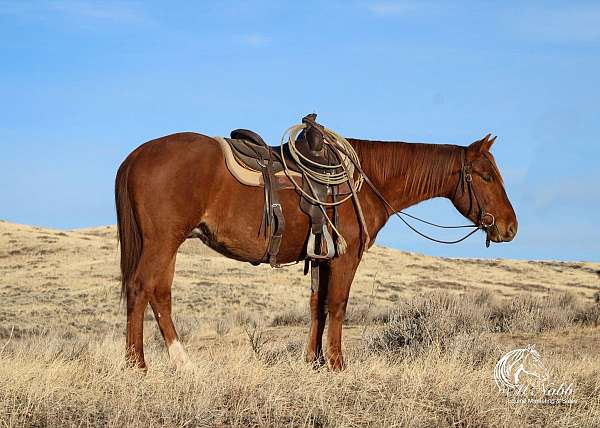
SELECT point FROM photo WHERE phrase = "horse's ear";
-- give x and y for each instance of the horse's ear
(483, 145)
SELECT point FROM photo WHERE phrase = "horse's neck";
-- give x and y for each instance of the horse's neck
(409, 173)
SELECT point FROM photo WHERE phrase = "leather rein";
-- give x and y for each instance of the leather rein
(486, 220)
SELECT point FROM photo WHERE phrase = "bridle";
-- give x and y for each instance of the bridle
(466, 180)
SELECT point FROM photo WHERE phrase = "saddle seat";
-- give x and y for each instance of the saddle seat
(252, 152)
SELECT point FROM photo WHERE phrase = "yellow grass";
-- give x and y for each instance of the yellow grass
(62, 342)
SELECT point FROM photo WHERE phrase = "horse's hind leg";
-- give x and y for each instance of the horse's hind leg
(154, 272)
(160, 301)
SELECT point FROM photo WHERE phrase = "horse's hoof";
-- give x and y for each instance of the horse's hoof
(336, 363)
(135, 363)
(315, 361)
(187, 367)
(178, 356)
(317, 364)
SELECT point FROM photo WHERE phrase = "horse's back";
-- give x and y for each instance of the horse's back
(180, 144)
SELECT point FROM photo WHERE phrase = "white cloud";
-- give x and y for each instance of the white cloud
(391, 8)
(124, 12)
(254, 39)
(566, 23)
(106, 11)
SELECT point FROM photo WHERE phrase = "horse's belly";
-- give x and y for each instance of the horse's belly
(235, 228)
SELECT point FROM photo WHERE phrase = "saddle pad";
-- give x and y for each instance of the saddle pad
(249, 177)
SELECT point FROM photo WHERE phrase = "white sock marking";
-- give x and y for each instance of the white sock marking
(178, 355)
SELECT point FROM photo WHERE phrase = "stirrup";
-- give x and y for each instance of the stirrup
(310, 246)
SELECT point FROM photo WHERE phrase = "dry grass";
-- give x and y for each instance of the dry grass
(420, 351)
(55, 381)
(439, 318)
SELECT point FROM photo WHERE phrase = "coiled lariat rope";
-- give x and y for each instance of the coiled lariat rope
(348, 159)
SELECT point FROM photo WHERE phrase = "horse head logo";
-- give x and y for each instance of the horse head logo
(519, 368)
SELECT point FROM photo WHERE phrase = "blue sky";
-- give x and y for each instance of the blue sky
(83, 83)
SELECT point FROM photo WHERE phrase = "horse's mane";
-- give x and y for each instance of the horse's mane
(425, 168)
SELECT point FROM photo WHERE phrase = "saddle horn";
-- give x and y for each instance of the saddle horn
(313, 135)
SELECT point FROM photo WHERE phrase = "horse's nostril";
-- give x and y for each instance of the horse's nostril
(511, 230)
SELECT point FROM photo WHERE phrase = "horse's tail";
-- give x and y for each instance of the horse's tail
(128, 230)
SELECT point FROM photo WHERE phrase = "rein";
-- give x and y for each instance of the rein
(341, 145)
(465, 180)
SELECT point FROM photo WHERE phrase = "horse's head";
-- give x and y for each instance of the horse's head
(480, 194)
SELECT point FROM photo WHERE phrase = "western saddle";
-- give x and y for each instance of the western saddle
(251, 151)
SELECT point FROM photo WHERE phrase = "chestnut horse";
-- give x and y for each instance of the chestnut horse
(169, 186)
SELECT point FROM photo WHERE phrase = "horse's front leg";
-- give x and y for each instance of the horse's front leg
(318, 316)
(341, 274)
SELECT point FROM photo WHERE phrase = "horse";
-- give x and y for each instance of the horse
(172, 185)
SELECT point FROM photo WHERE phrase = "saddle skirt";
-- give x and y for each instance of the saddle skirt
(245, 173)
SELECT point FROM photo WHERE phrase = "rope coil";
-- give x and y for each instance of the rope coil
(348, 155)
(348, 159)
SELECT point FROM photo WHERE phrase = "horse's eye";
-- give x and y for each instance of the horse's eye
(487, 177)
